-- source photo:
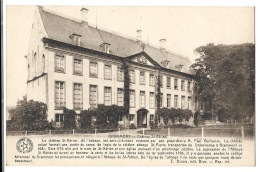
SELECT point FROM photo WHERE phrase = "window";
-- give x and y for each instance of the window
(161, 81)
(93, 96)
(175, 84)
(151, 79)
(175, 101)
(195, 87)
(43, 63)
(108, 96)
(120, 74)
(161, 100)
(189, 102)
(182, 85)
(196, 103)
(168, 100)
(120, 97)
(132, 76)
(168, 83)
(77, 66)
(151, 117)
(151, 99)
(59, 118)
(77, 96)
(59, 63)
(120, 118)
(188, 86)
(35, 63)
(59, 94)
(182, 102)
(132, 98)
(142, 99)
(108, 72)
(28, 72)
(93, 69)
(142, 78)
(132, 117)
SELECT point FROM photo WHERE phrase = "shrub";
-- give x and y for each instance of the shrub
(29, 115)
(132, 126)
(69, 119)
(86, 118)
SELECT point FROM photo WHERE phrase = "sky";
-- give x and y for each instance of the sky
(184, 28)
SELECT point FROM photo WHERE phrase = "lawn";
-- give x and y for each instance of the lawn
(227, 130)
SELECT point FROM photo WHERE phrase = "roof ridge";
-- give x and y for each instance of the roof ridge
(74, 19)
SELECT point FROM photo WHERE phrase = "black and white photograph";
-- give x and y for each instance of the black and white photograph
(130, 85)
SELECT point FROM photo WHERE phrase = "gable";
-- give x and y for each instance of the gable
(143, 58)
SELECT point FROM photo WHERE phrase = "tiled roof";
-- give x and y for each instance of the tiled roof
(60, 28)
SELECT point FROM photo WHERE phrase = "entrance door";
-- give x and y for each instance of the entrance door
(142, 118)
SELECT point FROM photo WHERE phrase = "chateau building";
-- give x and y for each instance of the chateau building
(74, 65)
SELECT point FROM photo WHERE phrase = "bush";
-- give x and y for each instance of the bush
(29, 115)
(173, 113)
(132, 126)
(86, 118)
(69, 119)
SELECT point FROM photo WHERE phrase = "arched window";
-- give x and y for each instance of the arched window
(34, 60)
(43, 63)
(28, 72)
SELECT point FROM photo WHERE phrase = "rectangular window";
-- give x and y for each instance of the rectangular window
(152, 99)
(132, 117)
(93, 69)
(77, 95)
(108, 96)
(188, 86)
(196, 103)
(120, 118)
(120, 97)
(189, 102)
(132, 98)
(93, 96)
(182, 85)
(151, 79)
(168, 83)
(108, 72)
(161, 80)
(168, 100)
(176, 101)
(151, 117)
(59, 63)
(59, 94)
(195, 87)
(175, 84)
(120, 74)
(182, 102)
(142, 99)
(77, 66)
(161, 100)
(59, 118)
(132, 76)
(142, 78)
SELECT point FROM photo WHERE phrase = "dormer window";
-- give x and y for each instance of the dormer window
(180, 67)
(166, 64)
(105, 47)
(75, 39)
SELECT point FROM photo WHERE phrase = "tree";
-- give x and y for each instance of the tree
(226, 78)
(29, 115)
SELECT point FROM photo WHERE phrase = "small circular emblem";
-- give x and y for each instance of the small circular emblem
(24, 145)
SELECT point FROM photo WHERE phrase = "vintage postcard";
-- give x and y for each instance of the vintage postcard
(130, 86)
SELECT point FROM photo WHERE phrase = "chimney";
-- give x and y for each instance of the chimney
(84, 16)
(162, 44)
(139, 36)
